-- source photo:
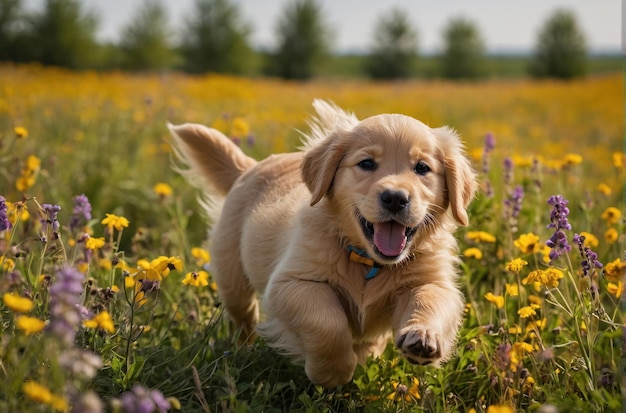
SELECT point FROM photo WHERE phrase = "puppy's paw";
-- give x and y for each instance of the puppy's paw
(420, 346)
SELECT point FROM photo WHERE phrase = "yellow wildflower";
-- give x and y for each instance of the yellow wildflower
(158, 268)
(605, 189)
(17, 210)
(516, 265)
(37, 392)
(7, 264)
(528, 311)
(163, 190)
(528, 243)
(590, 240)
(480, 236)
(101, 320)
(512, 290)
(611, 235)
(497, 408)
(498, 300)
(114, 221)
(473, 253)
(572, 159)
(402, 392)
(618, 159)
(615, 271)
(615, 289)
(201, 255)
(549, 277)
(197, 279)
(17, 303)
(94, 243)
(33, 163)
(20, 132)
(29, 325)
(545, 253)
(612, 215)
(239, 128)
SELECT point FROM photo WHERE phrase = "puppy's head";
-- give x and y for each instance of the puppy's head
(390, 178)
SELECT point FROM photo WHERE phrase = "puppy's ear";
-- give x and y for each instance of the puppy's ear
(460, 177)
(320, 165)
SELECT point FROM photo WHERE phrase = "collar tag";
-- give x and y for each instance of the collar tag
(361, 257)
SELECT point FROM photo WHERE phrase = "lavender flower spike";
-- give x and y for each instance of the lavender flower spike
(81, 212)
(4, 219)
(141, 400)
(65, 298)
(558, 221)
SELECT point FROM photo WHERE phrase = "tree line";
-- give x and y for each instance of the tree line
(215, 38)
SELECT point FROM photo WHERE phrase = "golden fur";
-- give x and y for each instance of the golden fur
(388, 185)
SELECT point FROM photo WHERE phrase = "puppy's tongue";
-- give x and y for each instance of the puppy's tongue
(389, 238)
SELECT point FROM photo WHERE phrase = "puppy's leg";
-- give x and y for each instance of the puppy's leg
(307, 321)
(426, 321)
(237, 295)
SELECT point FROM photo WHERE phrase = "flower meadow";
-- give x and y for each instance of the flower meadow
(108, 302)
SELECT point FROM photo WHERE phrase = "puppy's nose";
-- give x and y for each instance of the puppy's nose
(394, 201)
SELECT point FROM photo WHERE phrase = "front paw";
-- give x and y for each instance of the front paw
(420, 346)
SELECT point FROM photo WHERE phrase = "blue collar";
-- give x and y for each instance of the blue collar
(360, 256)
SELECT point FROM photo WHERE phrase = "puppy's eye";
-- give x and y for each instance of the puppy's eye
(367, 165)
(421, 168)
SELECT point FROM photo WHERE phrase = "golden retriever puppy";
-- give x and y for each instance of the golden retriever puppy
(348, 241)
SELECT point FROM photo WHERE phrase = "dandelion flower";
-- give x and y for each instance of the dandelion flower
(197, 279)
(163, 190)
(480, 236)
(612, 215)
(114, 221)
(512, 290)
(239, 128)
(528, 243)
(516, 265)
(21, 132)
(473, 253)
(7, 264)
(403, 392)
(528, 311)
(498, 300)
(618, 160)
(29, 325)
(17, 304)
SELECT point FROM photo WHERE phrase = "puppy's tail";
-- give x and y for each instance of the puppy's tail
(209, 158)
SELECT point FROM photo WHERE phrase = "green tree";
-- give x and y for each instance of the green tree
(464, 50)
(11, 18)
(303, 40)
(395, 47)
(215, 39)
(561, 49)
(63, 34)
(145, 43)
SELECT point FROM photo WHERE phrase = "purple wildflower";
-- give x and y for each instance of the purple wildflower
(65, 298)
(81, 212)
(589, 258)
(508, 170)
(558, 221)
(50, 218)
(142, 400)
(490, 144)
(513, 203)
(4, 219)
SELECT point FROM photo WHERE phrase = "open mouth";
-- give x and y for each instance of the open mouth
(389, 238)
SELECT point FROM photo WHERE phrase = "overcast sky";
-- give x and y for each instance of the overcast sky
(506, 25)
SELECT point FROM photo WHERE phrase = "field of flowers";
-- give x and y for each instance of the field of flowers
(107, 298)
